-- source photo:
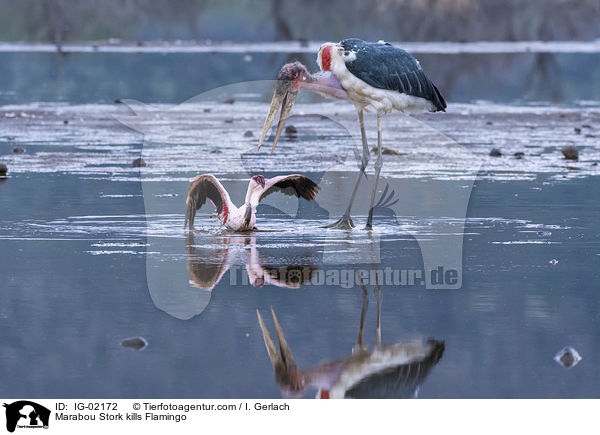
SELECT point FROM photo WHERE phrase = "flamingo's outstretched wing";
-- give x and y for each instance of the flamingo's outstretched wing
(202, 187)
(295, 184)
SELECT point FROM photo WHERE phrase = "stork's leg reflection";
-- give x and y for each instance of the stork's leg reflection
(363, 312)
(378, 295)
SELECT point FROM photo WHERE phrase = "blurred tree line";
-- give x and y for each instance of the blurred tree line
(267, 20)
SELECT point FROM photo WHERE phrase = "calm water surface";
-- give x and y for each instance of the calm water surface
(74, 268)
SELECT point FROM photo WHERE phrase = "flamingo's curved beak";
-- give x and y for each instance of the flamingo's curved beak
(284, 97)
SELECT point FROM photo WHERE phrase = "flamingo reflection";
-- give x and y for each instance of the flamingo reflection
(207, 265)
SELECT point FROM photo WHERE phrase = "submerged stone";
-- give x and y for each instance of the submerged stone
(567, 357)
(248, 133)
(137, 343)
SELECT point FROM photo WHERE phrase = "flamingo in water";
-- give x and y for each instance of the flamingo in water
(374, 77)
(243, 218)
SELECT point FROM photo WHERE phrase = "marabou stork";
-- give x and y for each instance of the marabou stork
(374, 77)
(244, 217)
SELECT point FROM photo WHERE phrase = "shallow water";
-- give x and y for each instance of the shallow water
(77, 285)
(94, 251)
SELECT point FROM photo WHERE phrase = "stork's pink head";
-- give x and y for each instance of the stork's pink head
(289, 80)
(292, 73)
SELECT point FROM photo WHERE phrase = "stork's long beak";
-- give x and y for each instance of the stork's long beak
(282, 358)
(283, 97)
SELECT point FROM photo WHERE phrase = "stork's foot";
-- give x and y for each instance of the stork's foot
(343, 223)
(369, 225)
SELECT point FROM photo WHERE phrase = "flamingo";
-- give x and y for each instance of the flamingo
(243, 218)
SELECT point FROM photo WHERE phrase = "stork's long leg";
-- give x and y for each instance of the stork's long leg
(378, 166)
(345, 222)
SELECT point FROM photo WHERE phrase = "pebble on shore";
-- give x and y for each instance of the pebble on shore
(570, 152)
(138, 163)
(387, 151)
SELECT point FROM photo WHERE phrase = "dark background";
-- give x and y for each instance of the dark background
(255, 20)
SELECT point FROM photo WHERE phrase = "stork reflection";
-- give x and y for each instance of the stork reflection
(386, 371)
(208, 263)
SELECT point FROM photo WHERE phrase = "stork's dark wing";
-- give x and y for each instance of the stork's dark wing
(202, 187)
(298, 185)
(384, 66)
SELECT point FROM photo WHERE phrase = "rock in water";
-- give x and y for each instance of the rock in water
(570, 153)
(387, 151)
(138, 163)
(290, 129)
(3, 169)
(248, 134)
(137, 343)
(519, 154)
(495, 152)
(567, 357)
(18, 150)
